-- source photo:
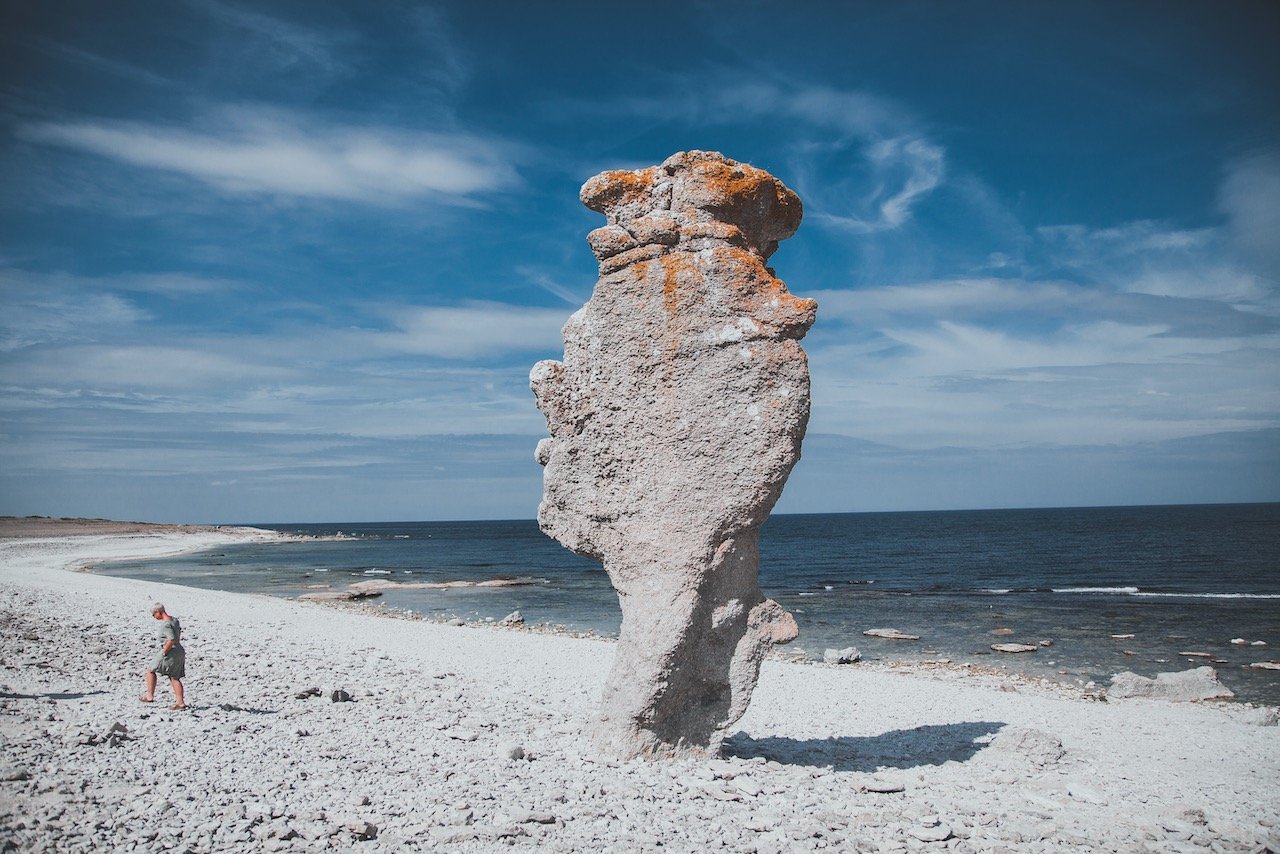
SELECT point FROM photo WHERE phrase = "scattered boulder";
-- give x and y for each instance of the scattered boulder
(1266, 665)
(675, 418)
(307, 694)
(848, 655)
(1014, 647)
(1200, 683)
(890, 634)
(515, 618)
(1046, 643)
(339, 696)
(1036, 746)
(510, 750)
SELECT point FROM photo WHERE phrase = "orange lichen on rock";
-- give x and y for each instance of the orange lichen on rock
(613, 192)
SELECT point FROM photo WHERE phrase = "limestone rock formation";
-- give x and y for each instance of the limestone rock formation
(675, 419)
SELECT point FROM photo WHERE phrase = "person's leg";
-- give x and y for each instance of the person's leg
(151, 687)
(178, 697)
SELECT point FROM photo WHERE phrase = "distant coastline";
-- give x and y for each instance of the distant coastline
(12, 527)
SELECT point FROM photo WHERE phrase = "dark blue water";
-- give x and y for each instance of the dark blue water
(1179, 578)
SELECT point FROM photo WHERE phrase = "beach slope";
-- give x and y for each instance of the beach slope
(473, 738)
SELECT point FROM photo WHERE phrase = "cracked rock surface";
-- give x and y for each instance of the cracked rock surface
(675, 418)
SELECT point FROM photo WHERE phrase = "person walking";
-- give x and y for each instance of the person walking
(172, 660)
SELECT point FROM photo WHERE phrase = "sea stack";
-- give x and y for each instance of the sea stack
(675, 419)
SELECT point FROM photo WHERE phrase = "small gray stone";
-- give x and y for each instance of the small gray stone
(939, 833)
(362, 829)
(461, 734)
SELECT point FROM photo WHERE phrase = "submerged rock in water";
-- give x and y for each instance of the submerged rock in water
(1014, 647)
(1199, 683)
(890, 634)
(675, 419)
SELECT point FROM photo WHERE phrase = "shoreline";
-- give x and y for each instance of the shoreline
(827, 756)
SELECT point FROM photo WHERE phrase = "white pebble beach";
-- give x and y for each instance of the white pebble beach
(473, 738)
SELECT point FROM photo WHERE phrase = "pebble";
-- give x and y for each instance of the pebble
(930, 833)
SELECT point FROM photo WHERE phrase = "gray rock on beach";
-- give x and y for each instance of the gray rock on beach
(675, 419)
(1036, 746)
(1199, 683)
(848, 655)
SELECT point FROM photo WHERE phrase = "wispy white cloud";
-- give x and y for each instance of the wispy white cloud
(98, 63)
(1132, 333)
(1031, 304)
(903, 171)
(29, 284)
(28, 320)
(990, 363)
(279, 153)
(288, 42)
(40, 308)
(554, 286)
(1147, 257)
(471, 330)
(146, 367)
(445, 58)
(1250, 198)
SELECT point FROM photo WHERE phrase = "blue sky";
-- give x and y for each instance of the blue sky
(293, 261)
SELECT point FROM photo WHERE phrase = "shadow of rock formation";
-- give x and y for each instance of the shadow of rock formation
(932, 744)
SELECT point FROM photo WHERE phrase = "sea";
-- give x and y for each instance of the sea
(1111, 588)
